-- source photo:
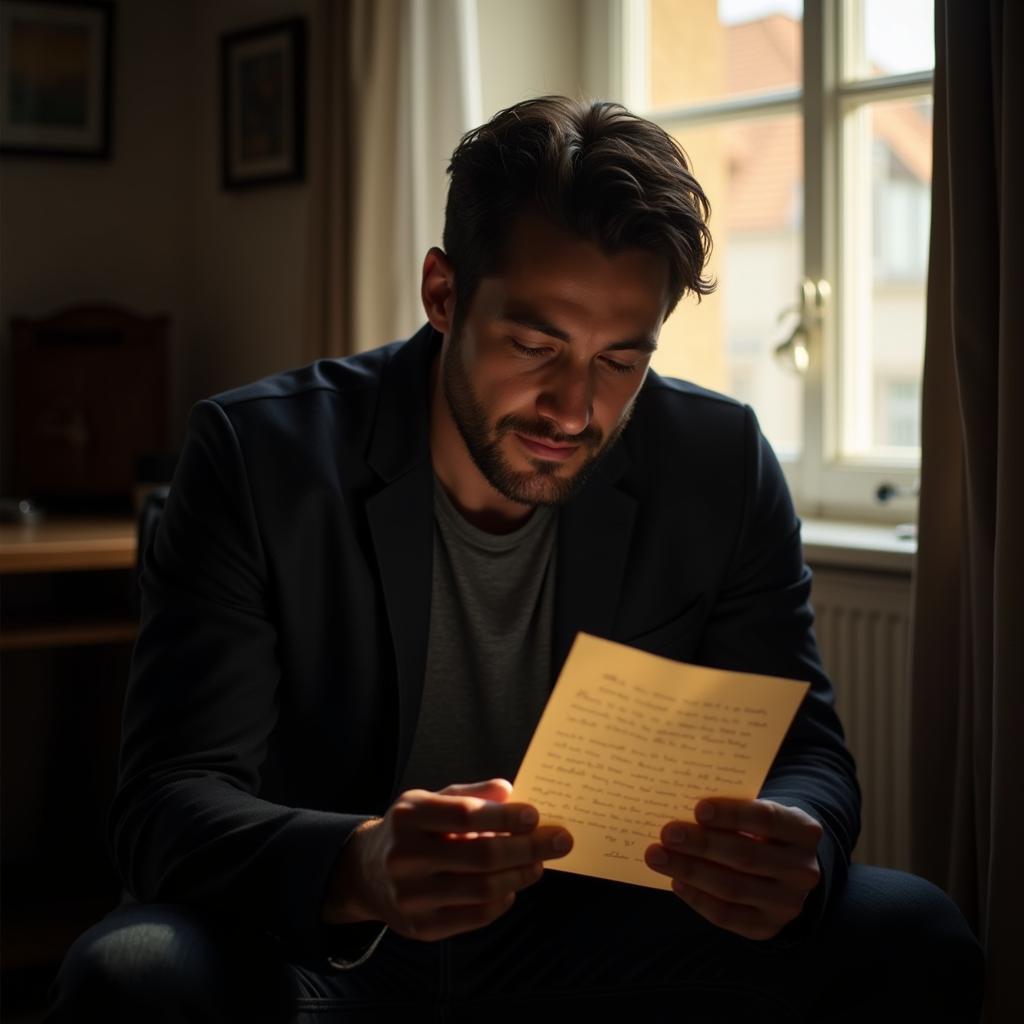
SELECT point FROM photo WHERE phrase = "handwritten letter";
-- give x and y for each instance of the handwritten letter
(629, 741)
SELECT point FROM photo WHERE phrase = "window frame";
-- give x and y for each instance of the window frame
(824, 482)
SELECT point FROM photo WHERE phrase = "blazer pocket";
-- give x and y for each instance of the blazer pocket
(676, 638)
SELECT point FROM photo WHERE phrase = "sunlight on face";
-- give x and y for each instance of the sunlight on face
(542, 374)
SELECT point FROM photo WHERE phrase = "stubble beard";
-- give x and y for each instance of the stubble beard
(543, 485)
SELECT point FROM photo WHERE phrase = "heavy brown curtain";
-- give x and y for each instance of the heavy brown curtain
(967, 749)
(327, 330)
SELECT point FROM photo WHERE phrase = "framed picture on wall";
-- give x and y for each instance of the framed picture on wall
(263, 104)
(55, 78)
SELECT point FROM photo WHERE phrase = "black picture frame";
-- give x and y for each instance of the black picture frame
(263, 104)
(56, 83)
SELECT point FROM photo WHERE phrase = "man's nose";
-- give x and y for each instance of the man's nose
(566, 400)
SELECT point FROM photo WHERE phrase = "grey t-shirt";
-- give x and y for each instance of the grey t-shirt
(488, 673)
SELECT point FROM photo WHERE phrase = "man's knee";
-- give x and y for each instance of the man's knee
(901, 909)
(918, 935)
(162, 962)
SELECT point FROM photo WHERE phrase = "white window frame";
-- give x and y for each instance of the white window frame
(824, 482)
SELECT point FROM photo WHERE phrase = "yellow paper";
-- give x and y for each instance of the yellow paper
(630, 741)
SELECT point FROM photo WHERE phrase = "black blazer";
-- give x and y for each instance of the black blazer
(277, 678)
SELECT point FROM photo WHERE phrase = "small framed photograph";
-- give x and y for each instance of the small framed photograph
(263, 104)
(55, 83)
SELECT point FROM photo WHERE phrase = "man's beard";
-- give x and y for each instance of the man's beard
(542, 485)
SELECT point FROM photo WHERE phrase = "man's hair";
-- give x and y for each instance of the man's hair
(590, 168)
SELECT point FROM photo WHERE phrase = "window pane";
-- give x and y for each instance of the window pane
(889, 37)
(705, 50)
(752, 171)
(886, 251)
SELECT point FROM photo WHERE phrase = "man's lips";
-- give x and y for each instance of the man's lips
(544, 450)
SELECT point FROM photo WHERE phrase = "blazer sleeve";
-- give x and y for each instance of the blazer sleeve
(186, 824)
(762, 622)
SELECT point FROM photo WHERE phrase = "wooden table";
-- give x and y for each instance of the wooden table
(67, 545)
(40, 564)
(63, 545)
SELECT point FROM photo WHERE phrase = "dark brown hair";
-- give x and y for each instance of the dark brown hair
(592, 168)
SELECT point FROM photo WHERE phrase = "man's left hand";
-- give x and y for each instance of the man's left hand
(747, 867)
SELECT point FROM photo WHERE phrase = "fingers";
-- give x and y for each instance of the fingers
(768, 894)
(435, 833)
(748, 866)
(491, 789)
(750, 922)
(418, 810)
(448, 862)
(448, 889)
(763, 818)
(793, 865)
(437, 854)
(442, 922)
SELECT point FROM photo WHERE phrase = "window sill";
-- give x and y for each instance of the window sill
(871, 547)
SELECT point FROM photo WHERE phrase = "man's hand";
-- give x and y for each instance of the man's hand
(747, 867)
(438, 864)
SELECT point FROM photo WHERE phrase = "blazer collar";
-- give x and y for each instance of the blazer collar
(401, 431)
(401, 518)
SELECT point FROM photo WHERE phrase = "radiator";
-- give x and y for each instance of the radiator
(862, 624)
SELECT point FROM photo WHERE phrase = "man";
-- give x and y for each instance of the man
(368, 575)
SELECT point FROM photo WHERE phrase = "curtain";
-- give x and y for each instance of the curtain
(967, 679)
(328, 326)
(399, 82)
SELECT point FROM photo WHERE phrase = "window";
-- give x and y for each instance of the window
(810, 128)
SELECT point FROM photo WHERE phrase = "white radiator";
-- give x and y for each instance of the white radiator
(862, 624)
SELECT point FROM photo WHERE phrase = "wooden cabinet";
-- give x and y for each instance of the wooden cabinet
(68, 618)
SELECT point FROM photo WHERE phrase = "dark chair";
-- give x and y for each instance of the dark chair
(149, 519)
(89, 398)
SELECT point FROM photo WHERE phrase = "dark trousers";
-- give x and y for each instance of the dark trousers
(895, 948)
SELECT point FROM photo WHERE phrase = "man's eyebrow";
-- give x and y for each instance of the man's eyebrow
(646, 343)
(533, 323)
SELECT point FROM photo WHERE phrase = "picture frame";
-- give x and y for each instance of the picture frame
(56, 82)
(263, 105)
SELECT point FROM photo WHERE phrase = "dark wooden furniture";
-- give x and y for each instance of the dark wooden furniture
(67, 588)
(90, 399)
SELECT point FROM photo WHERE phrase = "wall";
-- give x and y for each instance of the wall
(114, 231)
(529, 48)
(248, 249)
(152, 229)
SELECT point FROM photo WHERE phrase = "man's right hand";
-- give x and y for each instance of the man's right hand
(438, 864)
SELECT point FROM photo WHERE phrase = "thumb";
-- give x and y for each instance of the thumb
(497, 790)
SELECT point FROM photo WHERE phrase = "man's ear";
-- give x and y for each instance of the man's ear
(438, 290)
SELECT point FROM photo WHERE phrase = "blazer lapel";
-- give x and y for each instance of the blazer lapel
(401, 518)
(402, 525)
(594, 533)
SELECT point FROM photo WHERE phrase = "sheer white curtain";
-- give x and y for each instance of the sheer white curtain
(396, 83)
(415, 65)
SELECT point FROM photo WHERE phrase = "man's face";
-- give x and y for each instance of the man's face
(543, 370)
